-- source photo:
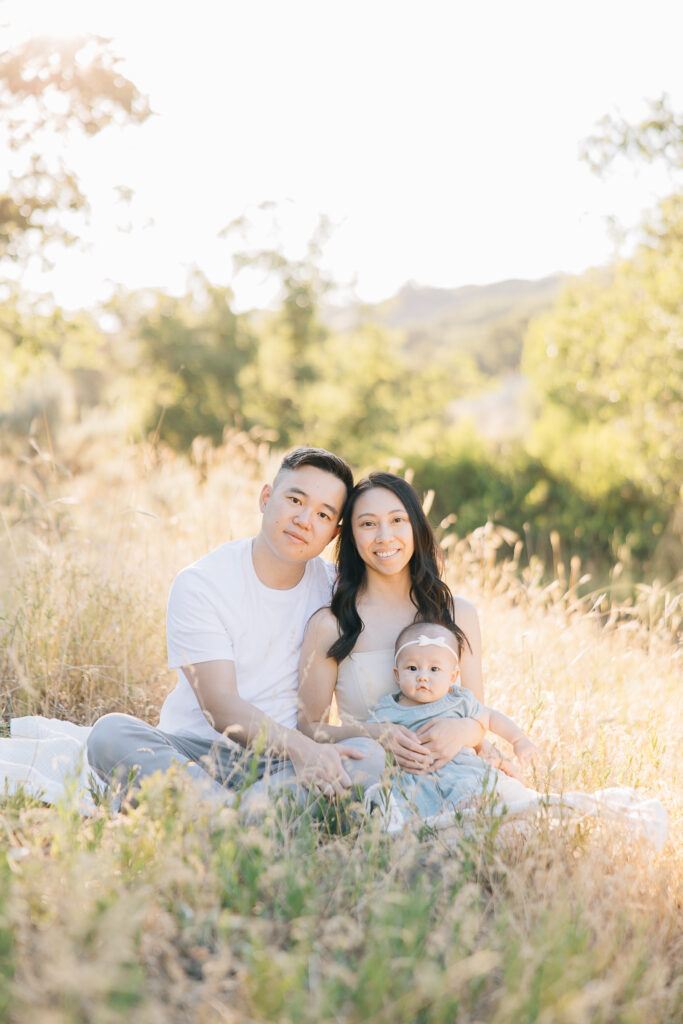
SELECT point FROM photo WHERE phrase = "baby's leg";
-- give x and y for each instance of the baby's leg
(367, 771)
(510, 790)
(506, 790)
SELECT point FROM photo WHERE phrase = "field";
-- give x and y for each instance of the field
(175, 912)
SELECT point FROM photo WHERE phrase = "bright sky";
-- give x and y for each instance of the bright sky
(441, 136)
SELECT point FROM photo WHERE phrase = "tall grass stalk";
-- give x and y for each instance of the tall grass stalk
(177, 912)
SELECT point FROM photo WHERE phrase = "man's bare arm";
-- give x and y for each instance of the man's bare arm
(215, 685)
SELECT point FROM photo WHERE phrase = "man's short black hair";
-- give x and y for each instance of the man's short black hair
(321, 459)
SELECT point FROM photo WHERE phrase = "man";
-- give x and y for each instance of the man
(235, 625)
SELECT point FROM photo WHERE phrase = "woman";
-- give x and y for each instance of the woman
(389, 576)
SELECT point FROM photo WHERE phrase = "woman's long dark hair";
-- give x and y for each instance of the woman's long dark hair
(428, 592)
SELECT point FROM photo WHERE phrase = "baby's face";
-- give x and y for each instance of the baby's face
(426, 672)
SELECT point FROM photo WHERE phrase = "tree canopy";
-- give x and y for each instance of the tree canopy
(49, 88)
(607, 362)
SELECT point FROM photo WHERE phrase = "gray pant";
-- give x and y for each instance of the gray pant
(123, 750)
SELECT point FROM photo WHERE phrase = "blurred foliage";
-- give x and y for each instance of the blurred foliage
(607, 363)
(485, 323)
(477, 482)
(607, 366)
(286, 364)
(48, 88)
(361, 393)
(658, 136)
(52, 365)
(189, 353)
(599, 469)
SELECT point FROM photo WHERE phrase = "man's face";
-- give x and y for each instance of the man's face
(301, 512)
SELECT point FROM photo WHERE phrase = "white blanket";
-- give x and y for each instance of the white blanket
(643, 817)
(46, 758)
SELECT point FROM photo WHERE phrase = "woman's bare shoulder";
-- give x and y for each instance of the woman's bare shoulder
(464, 611)
(322, 627)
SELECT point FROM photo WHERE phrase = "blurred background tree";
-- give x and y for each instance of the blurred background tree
(589, 368)
(189, 355)
(607, 363)
(284, 368)
(657, 136)
(52, 365)
(48, 89)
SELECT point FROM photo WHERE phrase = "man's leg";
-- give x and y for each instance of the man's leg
(123, 750)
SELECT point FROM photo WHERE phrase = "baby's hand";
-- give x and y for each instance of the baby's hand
(526, 752)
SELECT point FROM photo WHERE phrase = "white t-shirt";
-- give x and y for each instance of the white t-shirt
(218, 609)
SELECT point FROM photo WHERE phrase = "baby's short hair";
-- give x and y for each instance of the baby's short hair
(427, 629)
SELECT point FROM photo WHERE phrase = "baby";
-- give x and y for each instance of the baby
(427, 670)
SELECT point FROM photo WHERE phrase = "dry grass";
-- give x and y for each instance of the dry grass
(89, 554)
(174, 912)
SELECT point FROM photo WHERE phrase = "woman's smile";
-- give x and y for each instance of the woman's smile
(382, 531)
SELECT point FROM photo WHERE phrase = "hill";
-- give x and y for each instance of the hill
(487, 322)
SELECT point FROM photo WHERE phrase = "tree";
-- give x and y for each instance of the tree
(285, 367)
(607, 365)
(607, 362)
(658, 136)
(49, 88)
(192, 351)
(53, 366)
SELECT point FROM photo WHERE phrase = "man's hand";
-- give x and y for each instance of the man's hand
(445, 737)
(488, 752)
(319, 766)
(403, 744)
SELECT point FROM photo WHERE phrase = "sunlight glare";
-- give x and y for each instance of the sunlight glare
(61, 19)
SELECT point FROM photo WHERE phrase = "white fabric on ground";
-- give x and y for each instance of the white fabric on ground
(645, 818)
(47, 759)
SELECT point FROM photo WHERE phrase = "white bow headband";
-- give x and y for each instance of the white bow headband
(426, 641)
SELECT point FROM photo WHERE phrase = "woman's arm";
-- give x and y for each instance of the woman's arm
(465, 615)
(471, 677)
(317, 682)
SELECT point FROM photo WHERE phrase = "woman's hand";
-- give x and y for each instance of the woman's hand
(406, 749)
(445, 737)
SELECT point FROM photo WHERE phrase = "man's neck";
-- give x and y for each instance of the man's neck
(271, 571)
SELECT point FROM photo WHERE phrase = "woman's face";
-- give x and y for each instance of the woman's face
(382, 531)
